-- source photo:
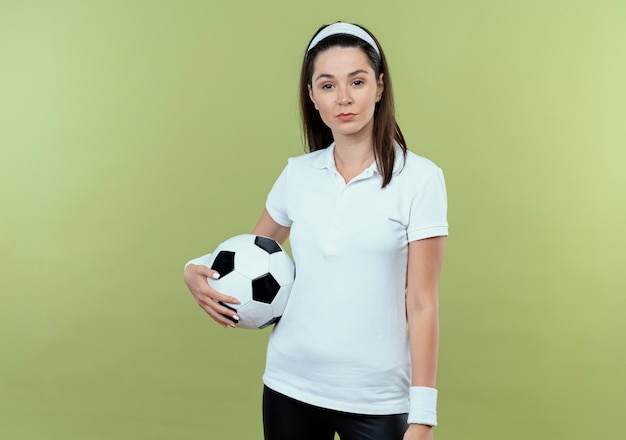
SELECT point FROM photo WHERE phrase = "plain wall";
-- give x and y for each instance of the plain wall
(135, 135)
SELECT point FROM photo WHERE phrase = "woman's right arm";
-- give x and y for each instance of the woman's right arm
(267, 227)
(209, 299)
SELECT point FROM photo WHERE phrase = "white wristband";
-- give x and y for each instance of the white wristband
(423, 406)
(200, 261)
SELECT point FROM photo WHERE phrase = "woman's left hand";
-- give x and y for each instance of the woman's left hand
(418, 432)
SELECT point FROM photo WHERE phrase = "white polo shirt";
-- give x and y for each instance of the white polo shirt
(342, 342)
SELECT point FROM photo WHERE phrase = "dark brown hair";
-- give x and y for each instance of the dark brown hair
(386, 130)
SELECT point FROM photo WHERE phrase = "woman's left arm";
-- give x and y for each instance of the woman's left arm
(422, 308)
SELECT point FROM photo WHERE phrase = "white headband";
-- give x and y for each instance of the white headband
(344, 28)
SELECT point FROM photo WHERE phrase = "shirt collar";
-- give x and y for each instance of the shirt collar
(326, 159)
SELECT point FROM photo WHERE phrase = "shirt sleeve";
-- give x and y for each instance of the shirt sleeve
(276, 203)
(200, 261)
(428, 216)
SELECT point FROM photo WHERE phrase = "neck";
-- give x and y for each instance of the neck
(354, 151)
(351, 159)
(353, 156)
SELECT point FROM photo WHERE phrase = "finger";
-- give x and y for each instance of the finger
(226, 299)
(207, 272)
(219, 296)
(231, 313)
(221, 319)
(213, 274)
(220, 308)
(204, 288)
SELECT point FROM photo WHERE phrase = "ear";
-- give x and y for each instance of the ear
(380, 87)
(311, 96)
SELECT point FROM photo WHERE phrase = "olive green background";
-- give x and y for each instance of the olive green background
(135, 135)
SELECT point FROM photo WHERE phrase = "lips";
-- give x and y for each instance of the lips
(346, 116)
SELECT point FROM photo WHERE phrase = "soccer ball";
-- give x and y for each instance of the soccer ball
(259, 273)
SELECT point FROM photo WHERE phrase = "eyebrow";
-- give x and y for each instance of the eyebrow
(351, 74)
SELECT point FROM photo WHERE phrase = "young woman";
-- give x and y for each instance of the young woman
(355, 352)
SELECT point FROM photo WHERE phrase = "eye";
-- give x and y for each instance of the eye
(326, 86)
(358, 82)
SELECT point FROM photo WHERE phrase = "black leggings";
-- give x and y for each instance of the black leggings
(285, 418)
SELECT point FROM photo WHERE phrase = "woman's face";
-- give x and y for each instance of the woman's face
(344, 89)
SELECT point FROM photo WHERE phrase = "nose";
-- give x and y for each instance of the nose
(343, 97)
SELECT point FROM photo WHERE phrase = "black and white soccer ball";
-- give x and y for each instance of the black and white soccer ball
(259, 273)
